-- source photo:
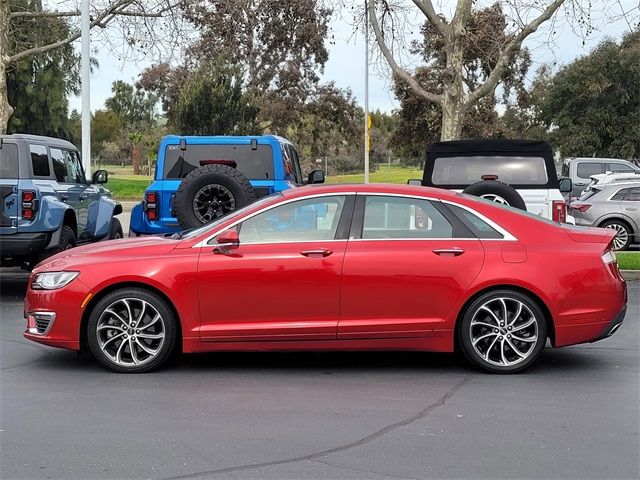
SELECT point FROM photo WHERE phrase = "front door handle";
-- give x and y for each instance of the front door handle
(317, 253)
(448, 252)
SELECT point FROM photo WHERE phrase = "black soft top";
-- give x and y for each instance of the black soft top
(493, 147)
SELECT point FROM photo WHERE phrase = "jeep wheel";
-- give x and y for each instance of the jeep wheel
(67, 241)
(209, 193)
(115, 230)
(498, 192)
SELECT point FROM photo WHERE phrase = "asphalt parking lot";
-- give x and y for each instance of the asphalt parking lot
(318, 415)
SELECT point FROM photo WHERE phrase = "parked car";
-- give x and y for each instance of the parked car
(47, 204)
(612, 205)
(581, 169)
(519, 173)
(342, 267)
(611, 177)
(200, 179)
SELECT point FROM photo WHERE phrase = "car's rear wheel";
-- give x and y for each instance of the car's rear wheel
(132, 331)
(503, 331)
(622, 240)
(115, 230)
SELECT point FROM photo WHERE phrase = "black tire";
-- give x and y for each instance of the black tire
(497, 189)
(115, 230)
(225, 187)
(495, 347)
(624, 234)
(67, 241)
(109, 346)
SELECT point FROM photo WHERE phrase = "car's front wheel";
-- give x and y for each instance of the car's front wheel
(132, 331)
(503, 331)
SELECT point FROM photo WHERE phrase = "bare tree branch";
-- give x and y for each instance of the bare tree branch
(27, 14)
(426, 7)
(397, 69)
(515, 43)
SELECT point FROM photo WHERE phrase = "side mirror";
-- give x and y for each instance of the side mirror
(414, 181)
(565, 185)
(316, 176)
(227, 240)
(100, 176)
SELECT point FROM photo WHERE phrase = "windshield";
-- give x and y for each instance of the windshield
(254, 164)
(511, 209)
(194, 232)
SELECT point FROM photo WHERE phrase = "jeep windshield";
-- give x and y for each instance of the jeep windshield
(254, 164)
(468, 170)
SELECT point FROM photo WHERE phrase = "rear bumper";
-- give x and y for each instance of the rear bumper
(23, 244)
(613, 326)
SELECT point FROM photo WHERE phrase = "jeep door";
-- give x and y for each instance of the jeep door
(282, 281)
(408, 261)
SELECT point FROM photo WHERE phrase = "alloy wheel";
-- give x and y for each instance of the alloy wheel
(130, 332)
(213, 201)
(492, 197)
(622, 235)
(504, 331)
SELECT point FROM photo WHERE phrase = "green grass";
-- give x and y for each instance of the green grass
(384, 174)
(128, 188)
(628, 260)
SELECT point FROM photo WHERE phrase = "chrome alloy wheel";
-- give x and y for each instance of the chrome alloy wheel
(130, 332)
(622, 235)
(213, 201)
(504, 331)
(492, 197)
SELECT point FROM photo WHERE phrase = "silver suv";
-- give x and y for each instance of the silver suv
(613, 205)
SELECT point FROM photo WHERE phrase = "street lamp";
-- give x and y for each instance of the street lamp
(366, 92)
(85, 67)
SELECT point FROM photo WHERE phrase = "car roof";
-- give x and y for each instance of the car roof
(388, 188)
(227, 138)
(39, 138)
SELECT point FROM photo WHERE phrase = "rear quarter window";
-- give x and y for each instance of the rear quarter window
(9, 161)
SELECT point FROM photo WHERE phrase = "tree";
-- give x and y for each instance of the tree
(213, 102)
(592, 105)
(141, 25)
(55, 73)
(457, 95)
(106, 126)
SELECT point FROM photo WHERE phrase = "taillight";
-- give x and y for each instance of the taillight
(559, 211)
(29, 204)
(151, 205)
(581, 207)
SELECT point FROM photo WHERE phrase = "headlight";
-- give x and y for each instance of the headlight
(52, 280)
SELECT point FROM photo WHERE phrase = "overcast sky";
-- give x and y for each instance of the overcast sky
(346, 64)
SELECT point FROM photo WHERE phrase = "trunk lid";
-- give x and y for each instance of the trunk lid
(589, 234)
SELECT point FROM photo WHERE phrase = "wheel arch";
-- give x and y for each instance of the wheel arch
(506, 286)
(84, 346)
(618, 218)
(70, 220)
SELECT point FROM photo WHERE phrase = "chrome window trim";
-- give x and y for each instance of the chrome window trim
(507, 235)
(205, 242)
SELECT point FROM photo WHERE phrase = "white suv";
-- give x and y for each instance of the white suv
(519, 173)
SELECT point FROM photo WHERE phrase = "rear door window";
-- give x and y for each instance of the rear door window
(253, 164)
(633, 195)
(620, 194)
(40, 161)
(59, 166)
(9, 161)
(469, 170)
(586, 169)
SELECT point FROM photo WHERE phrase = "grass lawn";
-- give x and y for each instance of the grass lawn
(628, 260)
(126, 186)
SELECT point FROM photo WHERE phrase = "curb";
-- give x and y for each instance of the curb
(631, 275)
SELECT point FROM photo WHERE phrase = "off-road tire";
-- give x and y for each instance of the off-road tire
(115, 229)
(499, 189)
(222, 175)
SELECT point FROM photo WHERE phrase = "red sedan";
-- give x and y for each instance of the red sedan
(350, 267)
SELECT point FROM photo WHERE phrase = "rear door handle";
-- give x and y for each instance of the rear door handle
(631, 209)
(448, 252)
(317, 253)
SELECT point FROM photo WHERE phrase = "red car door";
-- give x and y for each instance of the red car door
(282, 281)
(404, 268)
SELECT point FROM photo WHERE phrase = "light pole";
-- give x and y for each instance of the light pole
(85, 67)
(366, 92)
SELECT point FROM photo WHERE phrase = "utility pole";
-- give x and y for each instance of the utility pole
(86, 79)
(366, 92)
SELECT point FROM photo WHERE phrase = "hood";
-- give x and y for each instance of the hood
(110, 251)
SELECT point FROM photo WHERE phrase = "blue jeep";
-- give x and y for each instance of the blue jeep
(47, 204)
(200, 179)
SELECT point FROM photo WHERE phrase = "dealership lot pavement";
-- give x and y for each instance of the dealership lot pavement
(312, 415)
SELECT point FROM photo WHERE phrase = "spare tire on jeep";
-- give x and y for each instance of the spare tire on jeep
(498, 192)
(209, 192)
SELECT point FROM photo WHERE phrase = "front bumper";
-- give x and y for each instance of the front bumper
(23, 244)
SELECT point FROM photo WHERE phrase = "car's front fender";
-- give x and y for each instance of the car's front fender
(100, 214)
